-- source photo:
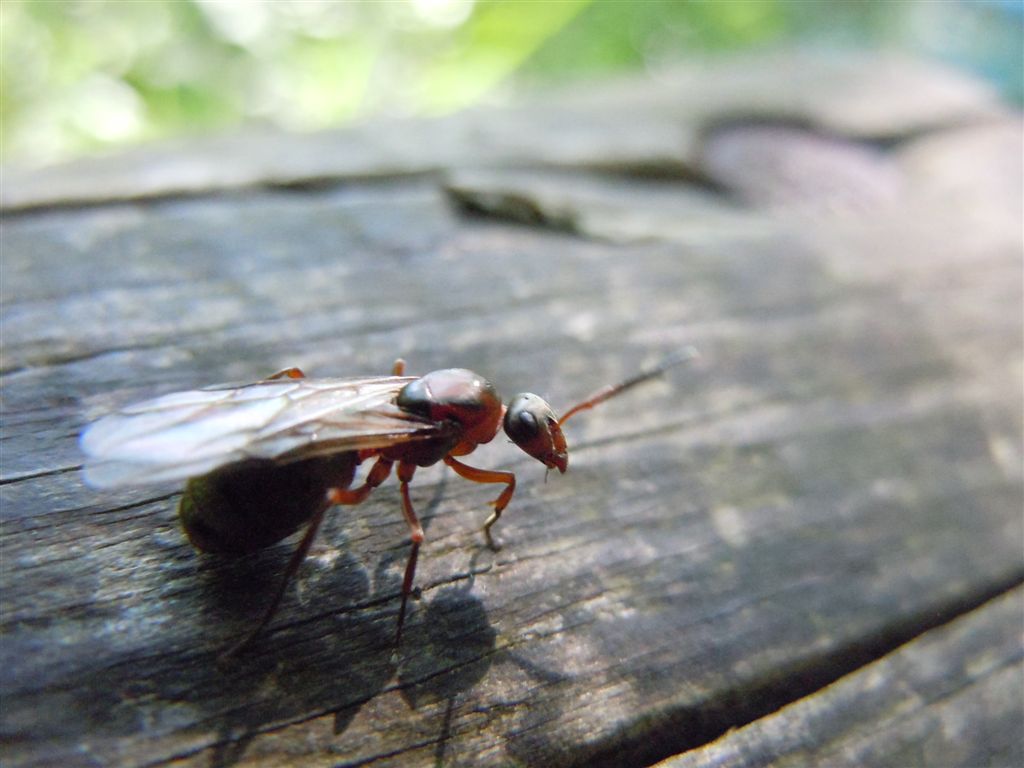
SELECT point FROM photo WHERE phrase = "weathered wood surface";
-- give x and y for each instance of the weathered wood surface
(950, 697)
(838, 474)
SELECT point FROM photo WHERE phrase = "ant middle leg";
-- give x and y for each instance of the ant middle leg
(405, 473)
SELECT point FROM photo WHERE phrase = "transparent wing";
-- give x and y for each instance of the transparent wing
(187, 434)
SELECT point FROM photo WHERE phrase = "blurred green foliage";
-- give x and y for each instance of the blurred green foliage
(81, 75)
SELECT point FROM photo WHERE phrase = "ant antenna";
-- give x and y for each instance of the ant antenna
(611, 390)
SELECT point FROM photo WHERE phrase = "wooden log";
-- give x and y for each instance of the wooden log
(839, 473)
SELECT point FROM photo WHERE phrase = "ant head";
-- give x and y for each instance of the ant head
(532, 425)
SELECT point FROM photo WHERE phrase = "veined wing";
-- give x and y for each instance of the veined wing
(187, 434)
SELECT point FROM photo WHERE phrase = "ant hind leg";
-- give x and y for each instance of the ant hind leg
(293, 566)
(287, 373)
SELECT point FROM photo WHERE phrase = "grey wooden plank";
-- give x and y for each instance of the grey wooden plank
(825, 476)
(952, 697)
(776, 176)
(840, 472)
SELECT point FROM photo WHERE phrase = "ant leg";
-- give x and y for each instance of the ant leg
(487, 476)
(398, 369)
(405, 472)
(293, 565)
(287, 373)
(377, 475)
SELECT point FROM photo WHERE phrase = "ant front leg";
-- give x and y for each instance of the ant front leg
(487, 476)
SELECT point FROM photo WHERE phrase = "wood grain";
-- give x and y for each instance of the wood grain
(839, 473)
(921, 705)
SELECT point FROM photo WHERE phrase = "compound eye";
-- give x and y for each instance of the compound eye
(524, 416)
(521, 423)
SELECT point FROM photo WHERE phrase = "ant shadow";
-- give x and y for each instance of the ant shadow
(455, 648)
(328, 652)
